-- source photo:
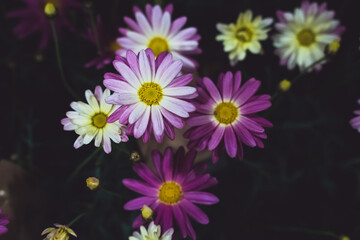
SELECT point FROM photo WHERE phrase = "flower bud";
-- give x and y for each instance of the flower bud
(92, 183)
(284, 85)
(50, 9)
(147, 213)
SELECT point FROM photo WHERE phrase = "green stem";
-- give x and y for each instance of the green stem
(62, 75)
(94, 29)
(308, 231)
(302, 73)
(111, 192)
(76, 219)
(82, 164)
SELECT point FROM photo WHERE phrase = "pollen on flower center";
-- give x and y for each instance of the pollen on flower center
(99, 120)
(150, 93)
(306, 37)
(226, 113)
(158, 45)
(170, 193)
(244, 34)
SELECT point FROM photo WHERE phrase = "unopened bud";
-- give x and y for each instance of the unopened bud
(92, 183)
(147, 213)
(135, 157)
(284, 85)
(333, 47)
(344, 237)
(50, 9)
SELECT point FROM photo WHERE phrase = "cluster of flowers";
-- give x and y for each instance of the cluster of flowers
(151, 96)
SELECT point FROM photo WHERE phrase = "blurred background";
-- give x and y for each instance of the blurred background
(305, 183)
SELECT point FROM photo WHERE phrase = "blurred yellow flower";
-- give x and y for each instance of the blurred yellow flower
(284, 85)
(61, 232)
(333, 47)
(50, 9)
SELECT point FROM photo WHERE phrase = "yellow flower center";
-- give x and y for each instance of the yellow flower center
(226, 113)
(306, 37)
(99, 120)
(170, 193)
(150, 93)
(158, 45)
(114, 46)
(244, 34)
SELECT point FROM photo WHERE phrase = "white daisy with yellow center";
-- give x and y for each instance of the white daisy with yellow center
(304, 34)
(243, 35)
(89, 120)
(152, 233)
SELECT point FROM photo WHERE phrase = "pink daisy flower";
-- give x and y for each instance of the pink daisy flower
(4, 220)
(355, 122)
(107, 43)
(155, 30)
(153, 94)
(225, 116)
(33, 19)
(172, 189)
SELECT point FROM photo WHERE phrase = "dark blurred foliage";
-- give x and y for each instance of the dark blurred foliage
(304, 183)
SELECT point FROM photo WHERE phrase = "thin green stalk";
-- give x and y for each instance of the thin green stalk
(111, 193)
(76, 219)
(82, 164)
(62, 75)
(308, 231)
(94, 29)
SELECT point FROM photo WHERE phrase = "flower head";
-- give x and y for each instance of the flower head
(152, 233)
(34, 18)
(61, 232)
(304, 34)
(153, 94)
(355, 122)
(89, 121)
(4, 220)
(107, 43)
(172, 189)
(244, 35)
(155, 30)
(225, 116)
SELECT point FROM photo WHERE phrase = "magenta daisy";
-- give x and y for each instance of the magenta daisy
(107, 43)
(225, 116)
(355, 122)
(4, 220)
(33, 19)
(304, 34)
(155, 30)
(172, 189)
(153, 94)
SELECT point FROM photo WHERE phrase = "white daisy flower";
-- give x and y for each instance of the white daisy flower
(152, 233)
(244, 35)
(304, 34)
(90, 121)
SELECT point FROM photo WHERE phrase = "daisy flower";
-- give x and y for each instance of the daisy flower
(244, 35)
(4, 220)
(89, 121)
(152, 233)
(355, 122)
(153, 94)
(108, 45)
(304, 34)
(225, 116)
(172, 189)
(33, 19)
(155, 30)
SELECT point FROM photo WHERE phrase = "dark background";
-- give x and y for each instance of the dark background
(305, 183)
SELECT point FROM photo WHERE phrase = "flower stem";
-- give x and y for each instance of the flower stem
(76, 219)
(94, 28)
(82, 164)
(111, 193)
(62, 75)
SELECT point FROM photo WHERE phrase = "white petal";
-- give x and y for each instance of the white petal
(139, 110)
(141, 125)
(157, 120)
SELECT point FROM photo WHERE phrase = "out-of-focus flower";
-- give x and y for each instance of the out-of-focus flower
(333, 47)
(155, 30)
(304, 34)
(355, 122)
(172, 190)
(284, 85)
(135, 157)
(61, 232)
(107, 43)
(92, 183)
(4, 220)
(152, 233)
(152, 93)
(90, 121)
(34, 19)
(147, 213)
(50, 9)
(244, 35)
(225, 116)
